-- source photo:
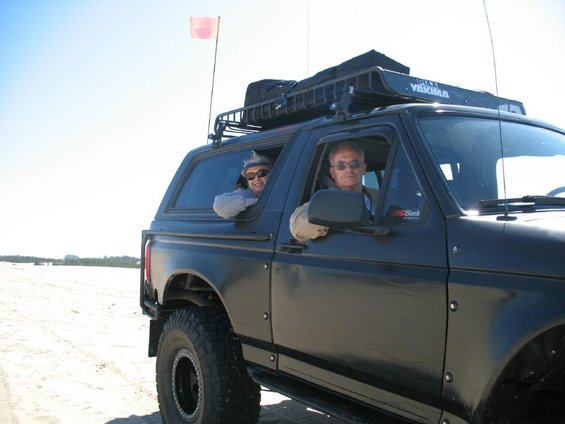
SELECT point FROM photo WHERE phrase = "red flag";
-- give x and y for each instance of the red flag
(204, 27)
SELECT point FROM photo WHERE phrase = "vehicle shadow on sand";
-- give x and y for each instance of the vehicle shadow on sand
(154, 418)
(285, 412)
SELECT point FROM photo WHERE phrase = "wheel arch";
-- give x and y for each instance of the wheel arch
(187, 286)
(183, 289)
(496, 333)
(530, 371)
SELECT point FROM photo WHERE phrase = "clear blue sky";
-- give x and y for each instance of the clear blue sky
(101, 99)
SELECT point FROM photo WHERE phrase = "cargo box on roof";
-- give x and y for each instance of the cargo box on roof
(376, 81)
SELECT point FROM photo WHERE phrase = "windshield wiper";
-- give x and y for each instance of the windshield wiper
(524, 201)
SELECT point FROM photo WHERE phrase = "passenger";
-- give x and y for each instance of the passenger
(347, 167)
(255, 170)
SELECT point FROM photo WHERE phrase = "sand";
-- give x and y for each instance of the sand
(74, 350)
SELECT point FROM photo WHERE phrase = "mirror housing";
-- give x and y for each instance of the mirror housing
(337, 209)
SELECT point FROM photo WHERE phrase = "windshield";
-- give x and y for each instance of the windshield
(476, 166)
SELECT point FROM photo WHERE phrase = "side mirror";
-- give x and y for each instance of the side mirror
(337, 209)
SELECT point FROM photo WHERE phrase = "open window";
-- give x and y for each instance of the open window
(212, 173)
(375, 145)
(390, 177)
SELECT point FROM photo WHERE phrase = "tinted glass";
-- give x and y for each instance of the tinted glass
(208, 178)
(471, 153)
(404, 200)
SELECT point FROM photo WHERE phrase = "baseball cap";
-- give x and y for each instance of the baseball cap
(255, 159)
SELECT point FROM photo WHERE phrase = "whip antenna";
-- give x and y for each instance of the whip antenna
(308, 40)
(213, 78)
(498, 110)
(207, 28)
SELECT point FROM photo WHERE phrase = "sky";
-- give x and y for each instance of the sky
(100, 100)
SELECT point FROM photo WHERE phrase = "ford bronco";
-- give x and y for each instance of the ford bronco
(448, 308)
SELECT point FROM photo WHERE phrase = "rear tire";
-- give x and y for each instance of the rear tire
(200, 372)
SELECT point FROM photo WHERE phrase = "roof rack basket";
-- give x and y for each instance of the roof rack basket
(373, 87)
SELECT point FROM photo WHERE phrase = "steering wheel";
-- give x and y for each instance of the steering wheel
(556, 191)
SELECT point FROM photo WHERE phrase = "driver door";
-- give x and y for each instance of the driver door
(361, 314)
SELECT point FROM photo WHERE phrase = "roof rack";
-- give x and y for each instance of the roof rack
(373, 87)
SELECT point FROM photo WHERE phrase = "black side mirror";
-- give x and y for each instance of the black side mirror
(337, 208)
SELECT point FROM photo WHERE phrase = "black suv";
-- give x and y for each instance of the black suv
(448, 308)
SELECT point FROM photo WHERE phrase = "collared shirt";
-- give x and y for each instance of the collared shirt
(370, 203)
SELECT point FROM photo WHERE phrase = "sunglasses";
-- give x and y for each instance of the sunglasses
(353, 164)
(259, 174)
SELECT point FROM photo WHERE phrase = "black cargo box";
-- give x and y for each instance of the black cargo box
(268, 89)
(291, 102)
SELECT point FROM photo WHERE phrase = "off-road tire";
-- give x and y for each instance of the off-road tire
(200, 372)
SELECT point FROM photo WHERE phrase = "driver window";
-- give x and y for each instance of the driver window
(352, 164)
(365, 163)
(375, 150)
(403, 200)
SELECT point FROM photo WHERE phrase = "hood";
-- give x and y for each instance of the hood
(526, 244)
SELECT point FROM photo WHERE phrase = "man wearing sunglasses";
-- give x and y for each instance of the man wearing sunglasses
(347, 167)
(255, 170)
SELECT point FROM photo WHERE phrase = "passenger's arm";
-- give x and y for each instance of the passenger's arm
(228, 205)
(301, 229)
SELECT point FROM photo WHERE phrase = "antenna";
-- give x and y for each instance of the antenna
(308, 40)
(498, 111)
(213, 77)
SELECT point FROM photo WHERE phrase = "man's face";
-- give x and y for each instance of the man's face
(348, 178)
(257, 183)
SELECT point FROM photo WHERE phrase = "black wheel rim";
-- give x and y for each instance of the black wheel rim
(186, 384)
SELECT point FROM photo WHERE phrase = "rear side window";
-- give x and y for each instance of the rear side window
(210, 176)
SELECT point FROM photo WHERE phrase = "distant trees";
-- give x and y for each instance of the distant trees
(26, 259)
(110, 261)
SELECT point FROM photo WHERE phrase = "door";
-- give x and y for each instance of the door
(361, 314)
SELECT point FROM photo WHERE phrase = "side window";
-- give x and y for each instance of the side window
(401, 201)
(376, 150)
(209, 177)
(404, 201)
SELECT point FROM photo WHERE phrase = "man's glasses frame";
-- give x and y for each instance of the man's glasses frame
(260, 174)
(353, 164)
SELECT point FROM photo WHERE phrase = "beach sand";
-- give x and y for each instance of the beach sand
(74, 350)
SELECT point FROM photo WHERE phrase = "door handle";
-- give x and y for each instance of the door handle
(291, 247)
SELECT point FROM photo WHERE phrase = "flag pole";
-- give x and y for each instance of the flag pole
(308, 40)
(213, 78)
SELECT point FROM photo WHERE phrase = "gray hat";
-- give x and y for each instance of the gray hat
(255, 160)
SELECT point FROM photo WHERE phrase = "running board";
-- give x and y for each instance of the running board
(349, 411)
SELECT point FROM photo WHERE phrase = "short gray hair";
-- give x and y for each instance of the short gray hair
(346, 145)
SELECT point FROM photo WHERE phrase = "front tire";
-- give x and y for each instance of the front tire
(200, 372)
